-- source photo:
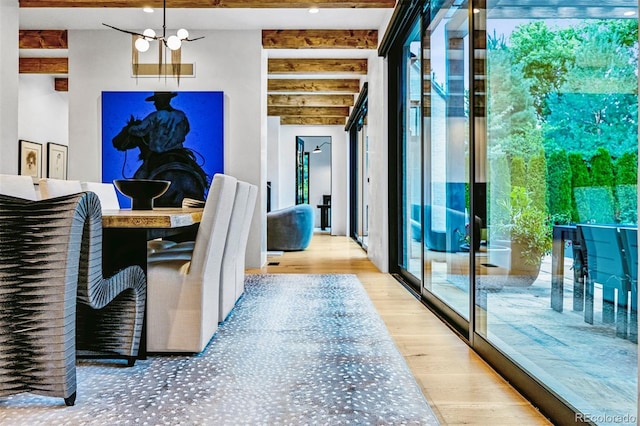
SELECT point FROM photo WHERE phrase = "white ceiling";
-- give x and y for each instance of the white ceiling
(211, 19)
(204, 19)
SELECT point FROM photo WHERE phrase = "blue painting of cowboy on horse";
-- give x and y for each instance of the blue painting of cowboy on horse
(169, 145)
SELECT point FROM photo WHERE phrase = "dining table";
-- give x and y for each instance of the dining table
(561, 235)
(125, 233)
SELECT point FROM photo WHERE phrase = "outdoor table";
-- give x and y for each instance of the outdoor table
(562, 234)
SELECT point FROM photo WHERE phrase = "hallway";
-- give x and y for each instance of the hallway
(461, 387)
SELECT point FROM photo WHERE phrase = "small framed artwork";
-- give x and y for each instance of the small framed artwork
(30, 161)
(56, 160)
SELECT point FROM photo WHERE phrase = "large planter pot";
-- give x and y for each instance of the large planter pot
(521, 272)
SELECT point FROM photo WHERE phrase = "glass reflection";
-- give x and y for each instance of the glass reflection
(558, 118)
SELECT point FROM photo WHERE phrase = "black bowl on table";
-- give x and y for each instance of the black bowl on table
(142, 191)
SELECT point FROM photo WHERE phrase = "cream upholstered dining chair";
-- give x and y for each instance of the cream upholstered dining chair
(106, 192)
(18, 186)
(51, 188)
(244, 237)
(232, 251)
(184, 288)
(233, 260)
(56, 302)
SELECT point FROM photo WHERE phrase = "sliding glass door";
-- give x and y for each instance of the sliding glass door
(411, 182)
(517, 142)
(557, 136)
(446, 225)
(362, 194)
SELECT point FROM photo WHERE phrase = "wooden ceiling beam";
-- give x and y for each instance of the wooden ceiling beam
(314, 85)
(320, 39)
(297, 4)
(313, 121)
(317, 66)
(43, 65)
(61, 84)
(42, 39)
(309, 111)
(310, 100)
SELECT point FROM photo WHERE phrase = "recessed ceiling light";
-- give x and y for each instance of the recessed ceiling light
(147, 9)
(629, 13)
(314, 10)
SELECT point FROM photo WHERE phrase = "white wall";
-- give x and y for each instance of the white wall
(231, 61)
(319, 171)
(377, 131)
(273, 160)
(43, 112)
(9, 86)
(339, 170)
(228, 61)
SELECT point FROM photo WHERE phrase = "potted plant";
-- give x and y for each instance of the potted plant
(529, 234)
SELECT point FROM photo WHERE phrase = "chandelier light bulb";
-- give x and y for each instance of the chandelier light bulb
(183, 34)
(142, 45)
(149, 33)
(174, 43)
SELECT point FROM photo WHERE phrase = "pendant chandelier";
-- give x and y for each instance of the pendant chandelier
(142, 43)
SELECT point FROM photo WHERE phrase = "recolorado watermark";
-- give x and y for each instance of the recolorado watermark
(606, 418)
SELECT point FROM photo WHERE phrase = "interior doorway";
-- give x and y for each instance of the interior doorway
(313, 177)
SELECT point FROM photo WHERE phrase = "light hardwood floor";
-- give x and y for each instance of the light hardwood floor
(461, 387)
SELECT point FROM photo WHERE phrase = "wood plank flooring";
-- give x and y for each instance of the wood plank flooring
(461, 388)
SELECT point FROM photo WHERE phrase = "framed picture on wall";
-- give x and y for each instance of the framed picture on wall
(56, 160)
(175, 136)
(30, 160)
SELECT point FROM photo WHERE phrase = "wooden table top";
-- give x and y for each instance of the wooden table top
(159, 217)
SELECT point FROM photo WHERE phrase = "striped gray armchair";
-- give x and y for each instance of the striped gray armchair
(50, 264)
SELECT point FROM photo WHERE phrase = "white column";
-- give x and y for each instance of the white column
(9, 86)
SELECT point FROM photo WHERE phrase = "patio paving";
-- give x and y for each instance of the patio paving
(586, 364)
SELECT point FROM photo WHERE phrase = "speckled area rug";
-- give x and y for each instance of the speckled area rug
(297, 349)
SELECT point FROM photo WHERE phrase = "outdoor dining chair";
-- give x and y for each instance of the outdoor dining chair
(605, 265)
(629, 238)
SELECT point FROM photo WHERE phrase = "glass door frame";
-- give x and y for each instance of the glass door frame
(531, 387)
(353, 127)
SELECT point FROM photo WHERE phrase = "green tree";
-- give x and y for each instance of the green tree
(511, 119)
(626, 178)
(499, 192)
(579, 178)
(518, 171)
(626, 169)
(545, 54)
(536, 182)
(596, 104)
(602, 169)
(595, 203)
(559, 186)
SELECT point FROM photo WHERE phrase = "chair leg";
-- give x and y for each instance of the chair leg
(633, 326)
(608, 305)
(578, 280)
(70, 400)
(588, 301)
(622, 314)
(131, 360)
(633, 322)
